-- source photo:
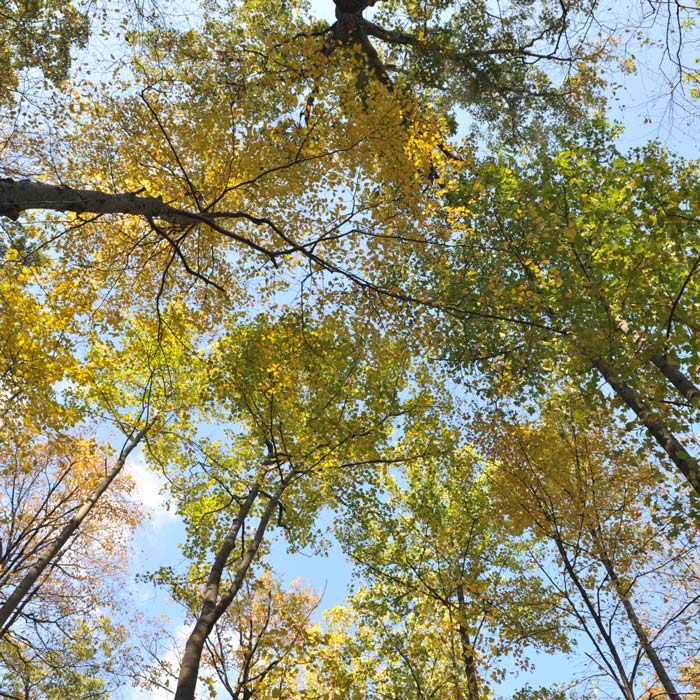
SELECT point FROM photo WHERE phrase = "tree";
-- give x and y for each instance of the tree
(303, 150)
(78, 664)
(51, 476)
(265, 640)
(581, 265)
(36, 352)
(496, 63)
(54, 575)
(444, 587)
(221, 235)
(263, 157)
(63, 546)
(259, 648)
(47, 504)
(319, 149)
(305, 409)
(39, 34)
(611, 531)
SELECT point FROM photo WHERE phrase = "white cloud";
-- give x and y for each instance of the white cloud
(148, 493)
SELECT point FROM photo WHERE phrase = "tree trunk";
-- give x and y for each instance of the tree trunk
(17, 196)
(44, 561)
(687, 465)
(684, 386)
(617, 668)
(680, 381)
(468, 658)
(211, 609)
(623, 592)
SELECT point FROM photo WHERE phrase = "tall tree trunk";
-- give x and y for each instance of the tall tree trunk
(615, 666)
(16, 598)
(468, 658)
(624, 593)
(17, 196)
(687, 465)
(212, 609)
(685, 387)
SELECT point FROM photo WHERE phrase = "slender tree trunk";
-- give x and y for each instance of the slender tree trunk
(35, 572)
(189, 668)
(685, 387)
(468, 658)
(617, 667)
(211, 609)
(687, 465)
(649, 650)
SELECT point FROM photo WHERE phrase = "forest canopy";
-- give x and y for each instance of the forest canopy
(379, 280)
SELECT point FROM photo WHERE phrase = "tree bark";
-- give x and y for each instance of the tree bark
(687, 465)
(40, 566)
(212, 610)
(679, 380)
(685, 387)
(189, 669)
(18, 196)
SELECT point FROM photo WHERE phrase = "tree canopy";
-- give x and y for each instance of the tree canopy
(385, 284)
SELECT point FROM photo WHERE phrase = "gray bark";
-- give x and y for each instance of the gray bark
(212, 609)
(17, 196)
(635, 622)
(687, 464)
(468, 658)
(680, 381)
(616, 667)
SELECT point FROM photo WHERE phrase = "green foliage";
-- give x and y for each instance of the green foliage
(577, 481)
(74, 665)
(494, 62)
(530, 693)
(328, 238)
(552, 255)
(440, 576)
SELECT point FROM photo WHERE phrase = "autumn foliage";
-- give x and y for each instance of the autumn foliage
(385, 284)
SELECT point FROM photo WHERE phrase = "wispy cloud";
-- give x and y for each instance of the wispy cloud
(148, 492)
